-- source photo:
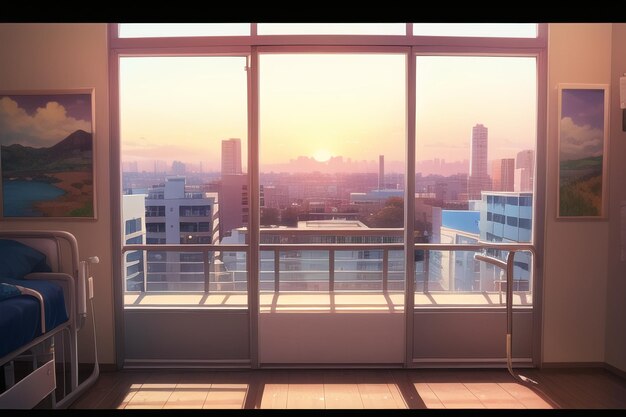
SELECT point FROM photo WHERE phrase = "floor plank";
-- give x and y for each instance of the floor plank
(306, 390)
(188, 394)
(455, 395)
(526, 396)
(377, 396)
(226, 396)
(337, 395)
(92, 398)
(492, 395)
(274, 396)
(151, 396)
(302, 395)
(272, 390)
(427, 395)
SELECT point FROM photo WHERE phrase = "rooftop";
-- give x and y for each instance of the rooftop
(331, 224)
(463, 220)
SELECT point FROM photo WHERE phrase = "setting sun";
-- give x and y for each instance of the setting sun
(321, 155)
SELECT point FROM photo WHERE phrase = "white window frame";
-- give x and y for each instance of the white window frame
(250, 47)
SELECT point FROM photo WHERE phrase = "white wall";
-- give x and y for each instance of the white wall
(67, 56)
(575, 274)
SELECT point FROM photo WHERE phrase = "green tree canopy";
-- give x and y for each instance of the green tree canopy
(391, 215)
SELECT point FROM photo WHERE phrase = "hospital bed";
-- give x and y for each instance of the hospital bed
(44, 292)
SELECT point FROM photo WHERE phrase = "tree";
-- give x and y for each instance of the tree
(289, 217)
(269, 216)
(391, 215)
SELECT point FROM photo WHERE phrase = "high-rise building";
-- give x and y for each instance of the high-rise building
(231, 157)
(233, 192)
(525, 170)
(179, 168)
(504, 217)
(507, 217)
(478, 162)
(479, 178)
(503, 174)
(180, 216)
(234, 200)
(134, 233)
(177, 215)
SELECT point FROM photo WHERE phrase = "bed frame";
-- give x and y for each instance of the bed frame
(61, 250)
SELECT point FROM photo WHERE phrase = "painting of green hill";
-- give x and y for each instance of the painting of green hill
(580, 188)
(593, 162)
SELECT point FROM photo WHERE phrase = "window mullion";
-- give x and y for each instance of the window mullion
(254, 204)
(409, 206)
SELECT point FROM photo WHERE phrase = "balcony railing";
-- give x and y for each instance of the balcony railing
(325, 267)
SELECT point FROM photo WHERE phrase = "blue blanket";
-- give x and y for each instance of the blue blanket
(20, 316)
(8, 291)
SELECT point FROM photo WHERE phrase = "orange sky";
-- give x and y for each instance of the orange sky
(325, 105)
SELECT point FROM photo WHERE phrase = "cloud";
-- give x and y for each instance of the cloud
(579, 141)
(47, 126)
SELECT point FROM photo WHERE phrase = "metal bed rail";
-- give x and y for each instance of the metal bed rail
(75, 280)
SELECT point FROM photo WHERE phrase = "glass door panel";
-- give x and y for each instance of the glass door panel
(183, 137)
(332, 159)
(476, 130)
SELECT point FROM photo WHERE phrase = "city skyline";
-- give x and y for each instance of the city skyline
(325, 105)
(436, 166)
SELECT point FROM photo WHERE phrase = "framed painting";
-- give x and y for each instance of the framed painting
(47, 155)
(583, 145)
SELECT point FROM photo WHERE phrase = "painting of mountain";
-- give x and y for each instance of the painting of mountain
(46, 155)
(581, 152)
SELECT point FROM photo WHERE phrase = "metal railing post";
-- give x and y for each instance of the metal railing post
(426, 268)
(385, 270)
(276, 270)
(331, 270)
(145, 272)
(207, 272)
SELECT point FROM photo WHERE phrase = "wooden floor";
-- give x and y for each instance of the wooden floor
(354, 389)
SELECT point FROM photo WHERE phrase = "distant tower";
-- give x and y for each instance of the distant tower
(479, 179)
(231, 156)
(524, 170)
(478, 162)
(503, 174)
(381, 172)
(178, 168)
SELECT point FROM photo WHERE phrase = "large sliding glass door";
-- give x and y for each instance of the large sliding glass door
(313, 198)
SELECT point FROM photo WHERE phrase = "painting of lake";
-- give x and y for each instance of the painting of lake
(46, 155)
(22, 197)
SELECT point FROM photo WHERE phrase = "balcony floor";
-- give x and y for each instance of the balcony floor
(391, 301)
